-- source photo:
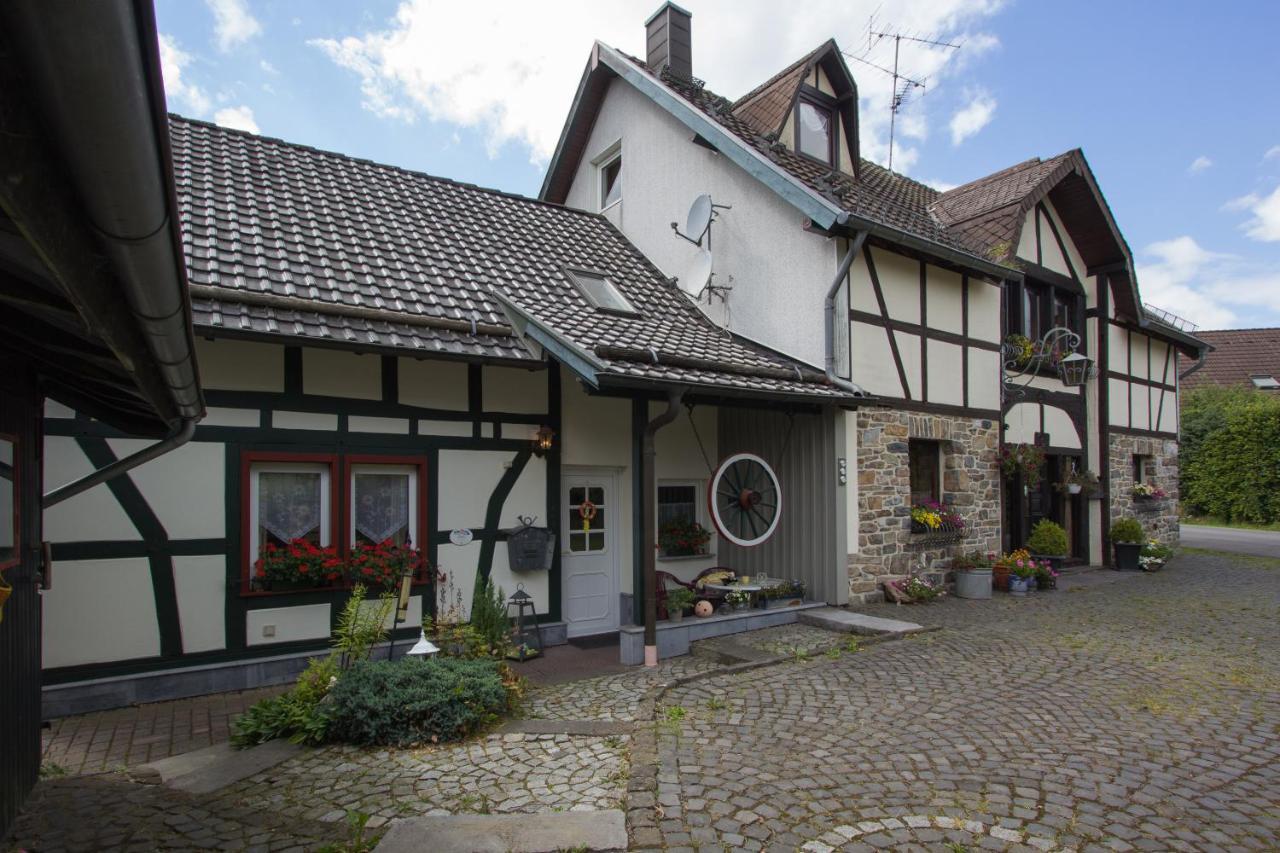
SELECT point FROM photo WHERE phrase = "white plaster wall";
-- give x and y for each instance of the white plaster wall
(215, 416)
(679, 459)
(185, 488)
(433, 384)
(984, 311)
(1051, 383)
(1159, 369)
(862, 295)
(1139, 413)
(91, 515)
(366, 423)
(413, 614)
(454, 428)
(240, 365)
(98, 611)
(306, 622)
(909, 349)
(1117, 349)
(943, 300)
(1073, 254)
(512, 389)
(335, 373)
(779, 283)
(1062, 432)
(201, 584)
(873, 366)
(54, 409)
(1022, 422)
(1138, 355)
(900, 282)
(304, 420)
(946, 373)
(1027, 239)
(1118, 402)
(1169, 416)
(984, 379)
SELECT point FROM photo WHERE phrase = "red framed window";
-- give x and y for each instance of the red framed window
(325, 501)
(10, 506)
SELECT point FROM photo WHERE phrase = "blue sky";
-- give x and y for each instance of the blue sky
(1176, 107)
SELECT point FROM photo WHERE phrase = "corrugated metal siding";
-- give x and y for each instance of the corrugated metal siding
(805, 544)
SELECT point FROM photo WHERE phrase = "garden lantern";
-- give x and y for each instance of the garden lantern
(543, 439)
(1075, 369)
(528, 635)
(422, 649)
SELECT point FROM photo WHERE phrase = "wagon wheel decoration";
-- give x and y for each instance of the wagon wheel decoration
(745, 499)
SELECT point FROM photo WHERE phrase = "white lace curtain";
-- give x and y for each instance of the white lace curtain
(289, 504)
(382, 507)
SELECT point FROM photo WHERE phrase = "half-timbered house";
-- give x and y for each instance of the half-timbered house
(908, 293)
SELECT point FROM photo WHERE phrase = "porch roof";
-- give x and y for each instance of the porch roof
(283, 240)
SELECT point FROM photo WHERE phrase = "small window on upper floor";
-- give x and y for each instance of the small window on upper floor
(602, 293)
(1265, 382)
(815, 130)
(611, 180)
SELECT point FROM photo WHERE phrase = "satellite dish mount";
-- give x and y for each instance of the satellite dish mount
(698, 223)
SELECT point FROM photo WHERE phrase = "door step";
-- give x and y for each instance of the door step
(519, 833)
(835, 619)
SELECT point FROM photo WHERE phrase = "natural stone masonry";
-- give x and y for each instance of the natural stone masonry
(1122, 712)
(970, 483)
(1158, 518)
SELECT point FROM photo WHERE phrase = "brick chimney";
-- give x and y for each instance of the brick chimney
(669, 40)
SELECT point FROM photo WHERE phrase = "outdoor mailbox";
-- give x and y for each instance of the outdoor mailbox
(529, 548)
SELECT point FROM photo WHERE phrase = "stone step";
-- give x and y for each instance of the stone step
(519, 833)
(727, 652)
(206, 770)
(835, 619)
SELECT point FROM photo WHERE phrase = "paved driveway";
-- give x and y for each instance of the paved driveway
(1260, 543)
(1132, 712)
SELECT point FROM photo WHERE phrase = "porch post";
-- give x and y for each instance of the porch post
(650, 500)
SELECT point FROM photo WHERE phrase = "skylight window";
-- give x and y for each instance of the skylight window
(1266, 383)
(602, 293)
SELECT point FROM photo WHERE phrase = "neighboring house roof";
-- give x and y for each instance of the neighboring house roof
(1238, 355)
(283, 240)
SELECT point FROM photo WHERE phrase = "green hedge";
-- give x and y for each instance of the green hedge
(1230, 454)
(410, 702)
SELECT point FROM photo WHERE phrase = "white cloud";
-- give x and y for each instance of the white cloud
(173, 62)
(1264, 215)
(1272, 153)
(1212, 289)
(973, 117)
(510, 69)
(267, 67)
(238, 118)
(1199, 164)
(233, 23)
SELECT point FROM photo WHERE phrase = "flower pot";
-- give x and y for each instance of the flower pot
(1127, 554)
(974, 583)
(1073, 488)
(1031, 584)
(675, 614)
(1017, 585)
(1000, 578)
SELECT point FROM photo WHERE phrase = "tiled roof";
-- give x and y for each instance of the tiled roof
(282, 239)
(1237, 355)
(765, 107)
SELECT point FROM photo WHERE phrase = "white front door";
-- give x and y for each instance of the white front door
(590, 554)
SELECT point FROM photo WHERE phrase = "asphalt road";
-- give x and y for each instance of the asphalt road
(1260, 543)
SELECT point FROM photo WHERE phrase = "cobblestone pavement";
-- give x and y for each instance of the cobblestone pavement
(609, 697)
(783, 641)
(110, 740)
(1129, 712)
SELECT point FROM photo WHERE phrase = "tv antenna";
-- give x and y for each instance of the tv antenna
(902, 84)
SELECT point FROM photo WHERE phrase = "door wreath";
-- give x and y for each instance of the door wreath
(587, 512)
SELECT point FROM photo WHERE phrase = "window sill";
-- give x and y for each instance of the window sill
(610, 206)
(676, 558)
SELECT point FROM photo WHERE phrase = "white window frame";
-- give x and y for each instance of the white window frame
(326, 511)
(699, 515)
(577, 276)
(611, 155)
(376, 468)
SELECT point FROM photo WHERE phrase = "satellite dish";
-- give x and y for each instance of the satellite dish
(699, 275)
(699, 219)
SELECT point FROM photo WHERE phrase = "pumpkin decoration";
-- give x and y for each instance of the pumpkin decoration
(703, 608)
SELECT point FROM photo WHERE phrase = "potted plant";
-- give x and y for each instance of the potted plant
(1019, 349)
(1024, 459)
(1046, 576)
(382, 564)
(1148, 492)
(1127, 538)
(738, 599)
(1080, 482)
(301, 564)
(1048, 543)
(678, 600)
(683, 538)
(1002, 566)
(973, 574)
(786, 594)
(917, 590)
(1021, 575)
(1154, 556)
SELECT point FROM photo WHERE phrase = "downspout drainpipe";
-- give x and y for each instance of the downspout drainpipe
(1200, 362)
(115, 469)
(829, 307)
(649, 454)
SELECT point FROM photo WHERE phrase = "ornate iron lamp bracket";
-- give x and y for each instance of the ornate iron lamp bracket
(1022, 361)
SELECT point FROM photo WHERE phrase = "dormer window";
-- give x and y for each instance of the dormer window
(815, 129)
(602, 293)
(610, 169)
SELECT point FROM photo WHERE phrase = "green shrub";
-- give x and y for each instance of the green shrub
(679, 599)
(409, 702)
(1230, 454)
(360, 628)
(1048, 538)
(1127, 530)
(489, 616)
(296, 715)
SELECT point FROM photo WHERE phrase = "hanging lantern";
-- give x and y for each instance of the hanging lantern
(1075, 369)
(527, 637)
(543, 439)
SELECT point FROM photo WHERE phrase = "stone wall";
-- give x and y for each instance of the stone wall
(1158, 518)
(970, 483)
